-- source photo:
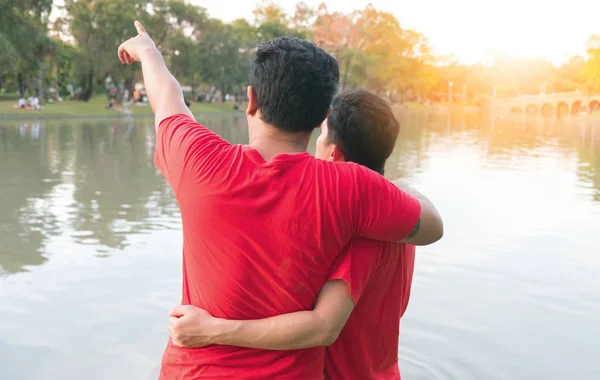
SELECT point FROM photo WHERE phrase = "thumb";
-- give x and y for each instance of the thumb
(178, 311)
(140, 28)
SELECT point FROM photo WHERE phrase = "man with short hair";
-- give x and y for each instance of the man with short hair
(368, 288)
(263, 223)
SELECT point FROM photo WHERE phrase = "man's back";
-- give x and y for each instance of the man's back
(260, 238)
(367, 347)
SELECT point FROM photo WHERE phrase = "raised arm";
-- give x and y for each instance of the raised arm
(193, 327)
(164, 92)
(187, 153)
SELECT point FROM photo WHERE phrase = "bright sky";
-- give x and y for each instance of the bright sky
(470, 29)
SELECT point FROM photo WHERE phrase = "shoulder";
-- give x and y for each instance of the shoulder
(341, 166)
(178, 120)
(342, 172)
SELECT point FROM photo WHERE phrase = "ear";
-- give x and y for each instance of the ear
(335, 154)
(329, 112)
(252, 104)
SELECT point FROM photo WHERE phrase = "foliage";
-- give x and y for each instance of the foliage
(24, 42)
(592, 66)
(213, 57)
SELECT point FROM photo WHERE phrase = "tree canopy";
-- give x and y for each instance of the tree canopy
(78, 47)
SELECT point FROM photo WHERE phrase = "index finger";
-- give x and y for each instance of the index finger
(140, 28)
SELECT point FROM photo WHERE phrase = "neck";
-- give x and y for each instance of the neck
(269, 141)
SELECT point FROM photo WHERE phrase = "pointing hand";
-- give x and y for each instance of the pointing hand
(131, 50)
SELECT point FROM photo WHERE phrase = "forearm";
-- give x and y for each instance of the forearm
(193, 327)
(164, 92)
(292, 331)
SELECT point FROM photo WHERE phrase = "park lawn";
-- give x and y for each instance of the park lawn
(95, 107)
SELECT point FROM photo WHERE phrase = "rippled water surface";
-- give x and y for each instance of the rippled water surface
(90, 248)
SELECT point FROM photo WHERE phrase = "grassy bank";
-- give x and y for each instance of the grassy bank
(95, 107)
(437, 106)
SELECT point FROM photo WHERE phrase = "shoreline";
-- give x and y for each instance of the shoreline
(40, 117)
(95, 108)
(474, 109)
(35, 116)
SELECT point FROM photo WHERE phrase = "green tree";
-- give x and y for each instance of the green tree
(272, 22)
(591, 69)
(23, 40)
(186, 61)
(98, 28)
(374, 51)
(227, 53)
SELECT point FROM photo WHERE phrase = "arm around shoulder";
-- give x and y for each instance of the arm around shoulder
(429, 227)
(390, 212)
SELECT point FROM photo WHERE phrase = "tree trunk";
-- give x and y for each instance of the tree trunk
(40, 80)
(222, 87)
(56, 85)
(346, 68)
(28, 86)
(89, 87)
(21, 85)
(129, 86)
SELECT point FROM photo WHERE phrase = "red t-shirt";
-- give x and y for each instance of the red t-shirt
(260, 238)
(379, 275)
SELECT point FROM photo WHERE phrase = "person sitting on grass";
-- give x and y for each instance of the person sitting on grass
(34, 102)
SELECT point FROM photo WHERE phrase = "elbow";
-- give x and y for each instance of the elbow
(329, 334)
(435, 233)
(431, 229)
(438, 232)
(328, 338)
(439, 235)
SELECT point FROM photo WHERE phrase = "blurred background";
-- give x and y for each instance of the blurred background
(500, 110)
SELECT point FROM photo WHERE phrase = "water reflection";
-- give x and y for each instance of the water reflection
(115, 187)
(26, 180)
(513, 141)
(95, 181)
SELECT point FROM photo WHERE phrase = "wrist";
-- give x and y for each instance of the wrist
(223, 331)
(149, 52)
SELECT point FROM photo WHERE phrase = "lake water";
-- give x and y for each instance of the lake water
(90, 248)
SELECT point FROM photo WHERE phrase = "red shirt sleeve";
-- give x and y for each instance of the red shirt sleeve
(379, 209)
(186, 151)
(357, 264)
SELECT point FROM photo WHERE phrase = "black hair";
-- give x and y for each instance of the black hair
(363, 127)
(294, 81)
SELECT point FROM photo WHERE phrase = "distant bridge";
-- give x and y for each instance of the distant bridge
(559, 103)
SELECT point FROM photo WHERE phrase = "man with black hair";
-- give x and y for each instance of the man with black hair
(358, 311)
(264, 222)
